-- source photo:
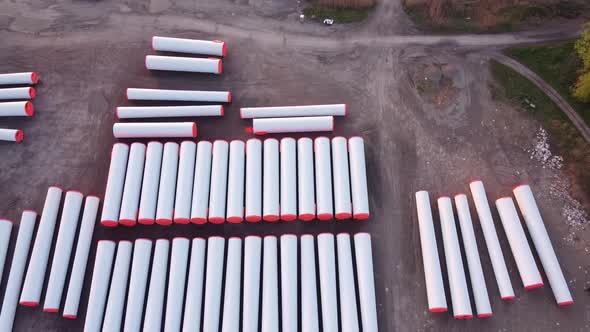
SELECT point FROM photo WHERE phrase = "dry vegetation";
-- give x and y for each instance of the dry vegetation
(491, 15)
(345, 3)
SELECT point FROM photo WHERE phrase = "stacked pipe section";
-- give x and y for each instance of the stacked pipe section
(526, 265)
(15, 101)
(206, 182)
(186, 64)
(222, 296)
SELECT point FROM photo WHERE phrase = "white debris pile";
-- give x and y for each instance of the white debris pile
(572, 211)
(541, 153)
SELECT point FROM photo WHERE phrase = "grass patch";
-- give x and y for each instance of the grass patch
(519, 13)
(339, 15)
(557, 64)
(466, 19)
(565, 138)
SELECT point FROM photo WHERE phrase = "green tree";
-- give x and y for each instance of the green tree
(582, 87)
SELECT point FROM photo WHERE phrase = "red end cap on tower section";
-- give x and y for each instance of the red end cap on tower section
(29, 109)
(34, 77)
(29, 303)
(32, 93)
(235, 219)
(288, 217)
(216, 220)
(253, 218)
(343, 216)
(533, 286)
(182, 221)
(199, 221)
(127, 222)
(307, 216)
(271, 217)
(146, 221)
(19, 136)
(109, 223)
(164, 221)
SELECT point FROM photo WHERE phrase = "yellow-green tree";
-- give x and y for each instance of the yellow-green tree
(582, 87)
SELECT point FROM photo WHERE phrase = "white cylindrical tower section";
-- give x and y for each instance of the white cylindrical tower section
(115, 183)
(176, 63)
(17, 108)
(348, 310)
(270, 293)
(435, 290)
(323, 177)
(154, 129)
(235, 182)
(81, 257)
(11, 135)
(309, 301)
(17, 93)
(251, 294)
(165, 206)
(366, 281)
(19, 78)
(194, 46)
(457, 280)
(155, 300)
(132, 189)
(176, 284)
(118, 289)
(179, 95)
(194, 288)
(63, 250)
(5, 230)
(33, 285)
(218, 192)
(527, 268)
(101, 275)
(491, 237)
(142, 252)
(200, 201)
(151, 183)
(292, 125)
(289, 283)
(270, 180)
(213, 281)
(184, 186)
(142, 112)
(289, 111)
(342, 202)
(233, 282)
(536, 227)
(478, 282)
(358, 178)
(305, 179)
(253, 180)
(328, 294)
(17, 268)
(288, 178)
